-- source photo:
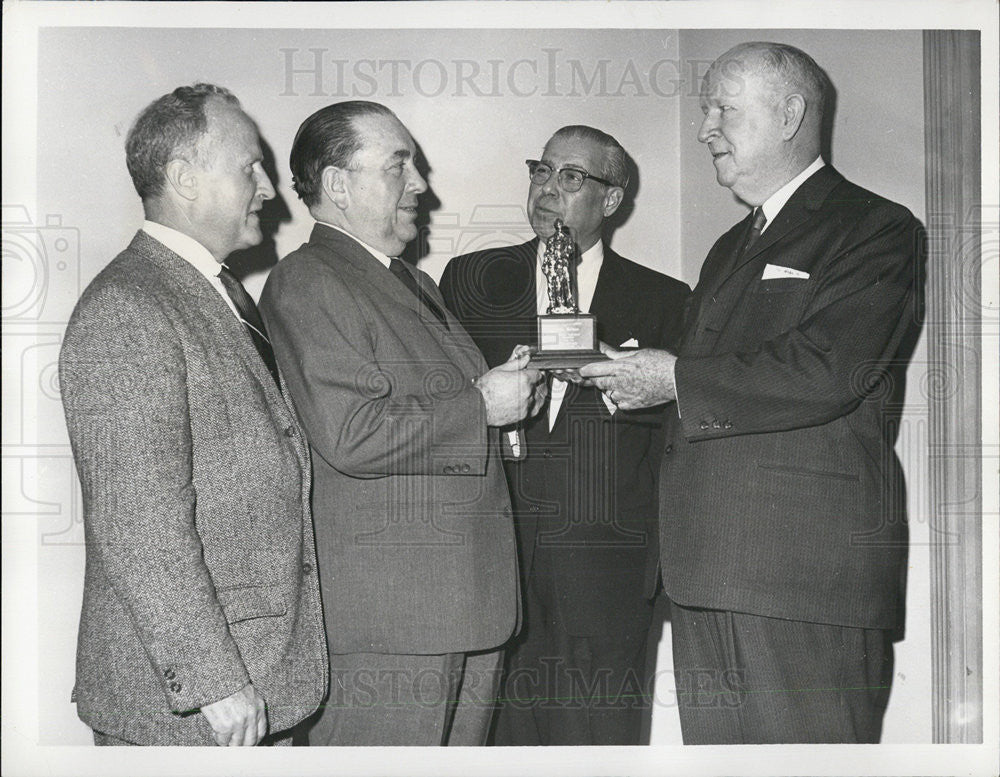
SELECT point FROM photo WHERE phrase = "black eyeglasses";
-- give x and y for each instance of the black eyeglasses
(570, 179)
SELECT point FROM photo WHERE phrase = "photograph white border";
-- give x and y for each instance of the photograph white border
(21, 756)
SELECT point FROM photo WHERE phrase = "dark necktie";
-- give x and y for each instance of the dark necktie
(693, 326)
(250, 317)
(756, 227)
(397, 269)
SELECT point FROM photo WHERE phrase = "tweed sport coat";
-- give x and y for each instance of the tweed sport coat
(585, 494)
(200, 572)
(781, 492)
(413, 522)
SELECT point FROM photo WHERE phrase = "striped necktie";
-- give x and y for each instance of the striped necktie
(251, 319)
(756, 227)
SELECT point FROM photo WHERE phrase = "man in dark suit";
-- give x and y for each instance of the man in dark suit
(584, 496)
(200, 602)
(783, 553)
(413, 521)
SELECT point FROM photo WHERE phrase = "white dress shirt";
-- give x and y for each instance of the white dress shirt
(194, 253)
(772, 205)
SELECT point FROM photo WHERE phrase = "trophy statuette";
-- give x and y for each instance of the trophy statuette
(567, 338)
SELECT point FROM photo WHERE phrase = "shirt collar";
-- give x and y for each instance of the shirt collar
(383, 258)
(772, 205)
(185, 247)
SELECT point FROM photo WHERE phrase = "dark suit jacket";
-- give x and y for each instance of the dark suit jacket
(585, 497)
(195, 473)
(782, 494)
(413, 522)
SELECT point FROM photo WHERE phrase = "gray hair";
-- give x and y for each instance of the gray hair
(169, 128)
(789, 69)
(615, 159)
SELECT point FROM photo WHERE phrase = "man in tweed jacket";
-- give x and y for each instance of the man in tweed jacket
(201, 617)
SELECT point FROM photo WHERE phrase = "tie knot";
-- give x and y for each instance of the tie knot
(759, 220)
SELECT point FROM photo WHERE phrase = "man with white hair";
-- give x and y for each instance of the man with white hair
(782, 542)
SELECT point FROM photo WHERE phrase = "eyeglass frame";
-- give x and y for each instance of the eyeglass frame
(558, 174)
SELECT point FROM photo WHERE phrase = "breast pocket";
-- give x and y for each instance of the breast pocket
(782, 285)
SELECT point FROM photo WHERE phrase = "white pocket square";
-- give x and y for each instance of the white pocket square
(630, 343)
(777, 271)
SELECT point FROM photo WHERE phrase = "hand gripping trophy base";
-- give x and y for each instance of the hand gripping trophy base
(567, 338)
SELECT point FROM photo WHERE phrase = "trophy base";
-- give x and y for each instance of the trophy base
(563, 360)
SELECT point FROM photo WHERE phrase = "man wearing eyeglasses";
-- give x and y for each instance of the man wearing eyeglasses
(584, 495)
(414, 535)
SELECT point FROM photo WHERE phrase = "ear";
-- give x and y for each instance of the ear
(613, 199)
(335, 186)
(793, 111)
(182, 178)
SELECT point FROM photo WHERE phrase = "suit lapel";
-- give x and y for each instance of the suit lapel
(502, 300)
(520, 285)
(611, 301)
(456, 341)
(209, 304)
(364, 264)
(808, 198)
(721, 284)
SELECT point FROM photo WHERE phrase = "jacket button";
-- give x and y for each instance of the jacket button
(169, 674)
(703, 425)
(175, 687)
(289, 431)
(668, 449)
(716, 424)
(307, 568)
(533, 509)
(547, 453)
(727, 425)
(466, 468)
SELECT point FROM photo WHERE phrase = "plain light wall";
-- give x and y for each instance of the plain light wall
(478, 103)
(475, 134)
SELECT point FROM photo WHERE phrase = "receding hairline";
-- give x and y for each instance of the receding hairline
(215, 108)
(392, 121)
(809, 79)
(606, 145)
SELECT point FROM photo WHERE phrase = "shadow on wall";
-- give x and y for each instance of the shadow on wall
(621, 216)
(274, 213)
(429, 202)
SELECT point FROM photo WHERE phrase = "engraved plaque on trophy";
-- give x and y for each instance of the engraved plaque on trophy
(567, 338)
